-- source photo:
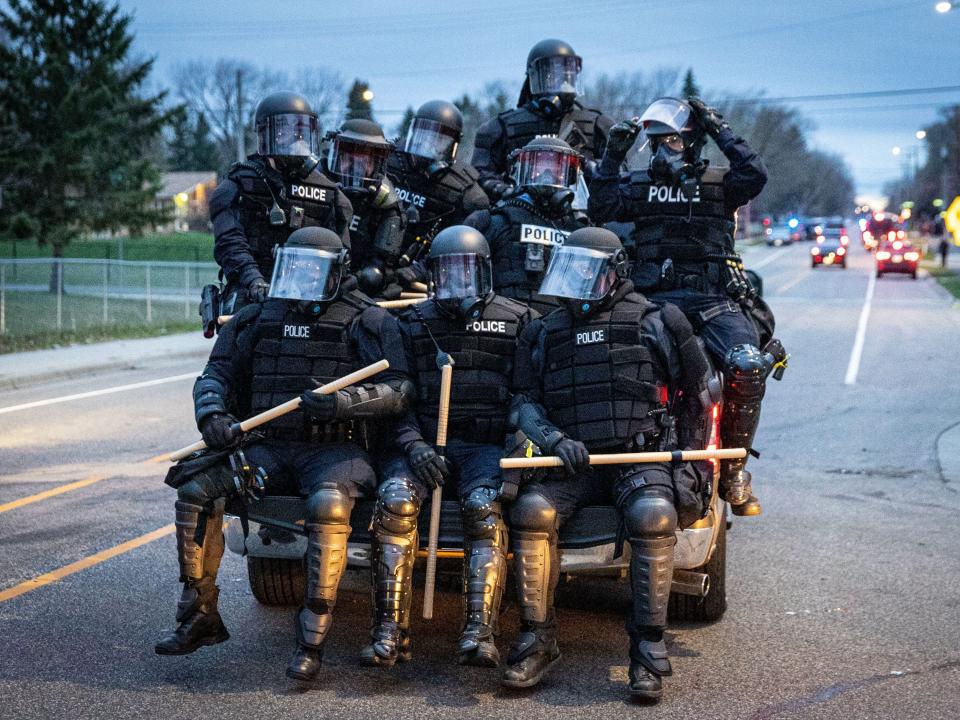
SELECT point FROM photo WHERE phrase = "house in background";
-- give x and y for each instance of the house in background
(184, 197)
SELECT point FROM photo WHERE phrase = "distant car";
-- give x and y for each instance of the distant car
(897, 256)
(782, 234)
(829, 251)
(881, 228)
(813, 227)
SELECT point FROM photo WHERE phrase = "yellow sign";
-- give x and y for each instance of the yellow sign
(952, 219)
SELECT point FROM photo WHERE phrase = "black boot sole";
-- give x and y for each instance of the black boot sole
(301, 676)
(480, 658)
(530, 682)
(205, 641)
(653, 695)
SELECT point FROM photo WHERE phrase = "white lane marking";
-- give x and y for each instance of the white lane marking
(797, 279)
(777, 254)
(95, 393)
(854, 365)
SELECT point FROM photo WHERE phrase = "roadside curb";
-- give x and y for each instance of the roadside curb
(947, 449)
(21, 370)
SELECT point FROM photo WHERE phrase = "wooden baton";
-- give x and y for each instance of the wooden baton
(290, 405)
(436, 499)
(517, 463)
(405, 302)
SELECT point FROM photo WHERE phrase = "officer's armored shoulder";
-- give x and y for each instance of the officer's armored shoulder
(479, 219)
(249, 168)
(466, 174)
(512, 306)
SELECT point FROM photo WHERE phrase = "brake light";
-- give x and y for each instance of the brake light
(912, 256)
(867, 235)
(883, 255)
(819, 239)
(897, 245)
(900, 234)
(814, 251)
(878, 216)
(891, 235)
(843, 232)
(841, 251)
(844, 240)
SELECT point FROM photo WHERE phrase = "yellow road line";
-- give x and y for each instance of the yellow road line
(53, 492)
(14, 504)
(87, 562)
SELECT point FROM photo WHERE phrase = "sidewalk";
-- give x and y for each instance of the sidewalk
(27, 368)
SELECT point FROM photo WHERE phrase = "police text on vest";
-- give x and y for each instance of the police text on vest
(411, 198)
(495, 326)
(591, 336)
(297, 331)
(665, 193)
(309, 192)
(541, 235)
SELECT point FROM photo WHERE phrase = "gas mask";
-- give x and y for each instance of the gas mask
(670, 167)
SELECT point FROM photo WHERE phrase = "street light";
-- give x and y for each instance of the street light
(367, 95)
(943, 7)
(896, 150)
(920, 134)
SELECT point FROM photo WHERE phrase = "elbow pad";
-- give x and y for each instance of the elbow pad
(371, 401)
(531, 418)
(208, 398)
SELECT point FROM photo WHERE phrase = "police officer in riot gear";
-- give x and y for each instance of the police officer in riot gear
(479, 330)
(523, 228)
(313, 328)
(548, 106)
(356, 160)
(269, 195)
(435, 189)
(595, 376)
(684, 216)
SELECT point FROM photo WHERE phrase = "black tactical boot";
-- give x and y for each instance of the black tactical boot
(199, 621)
(532, 655)
(476, 646)
(388, 645)
(311, 632)
(648, 664)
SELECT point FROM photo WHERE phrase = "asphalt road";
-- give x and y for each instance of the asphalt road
(844, 596)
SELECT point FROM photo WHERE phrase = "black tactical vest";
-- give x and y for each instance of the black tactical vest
(291, 351)
(483, 352)
(306, 202)
(518, 234)
(578, 128)
(437, 198)
(669, 225)
(599, 383)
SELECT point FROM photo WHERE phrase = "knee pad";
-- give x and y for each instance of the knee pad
(329, 505)
(397, 508)
(649, 515)
(534, 513)
(481, 514)
(745, 373)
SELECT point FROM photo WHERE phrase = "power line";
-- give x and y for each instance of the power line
(853, 95)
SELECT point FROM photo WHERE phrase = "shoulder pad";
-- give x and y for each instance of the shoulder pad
(468, 173)
(250, 168)
(479, 219)
(512, 305)
(585, 109)
(714, 174)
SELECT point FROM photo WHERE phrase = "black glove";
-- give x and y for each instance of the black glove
(709, 117)
(499, 190)
(574, 455)
(409, 275)
(319, 407)
(218, 432)
(430, 468)
(622, 136)
(257, 290)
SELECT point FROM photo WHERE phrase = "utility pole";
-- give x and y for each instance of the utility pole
(241, 150)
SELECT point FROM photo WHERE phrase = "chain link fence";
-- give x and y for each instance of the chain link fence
(42, 295)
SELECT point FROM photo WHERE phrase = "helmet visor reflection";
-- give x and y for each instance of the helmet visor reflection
(288, 135)
(547, 168)
(578, 273)
(456, 277)
(558, 75)
(305, 274)
(431, 140)
(357, 164)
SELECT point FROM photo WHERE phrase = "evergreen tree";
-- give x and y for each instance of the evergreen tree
(690, 88)
(75, 124)
(190, 147)
(359, 107)
(404, 125)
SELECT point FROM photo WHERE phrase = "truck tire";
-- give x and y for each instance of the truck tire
(711, 607)
(276, 581)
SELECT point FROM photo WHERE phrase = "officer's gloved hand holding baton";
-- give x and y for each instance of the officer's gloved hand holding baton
(430, 467)
(666, 456)
(289, 406)
(219, 431)
(574, 455)
(258, 290)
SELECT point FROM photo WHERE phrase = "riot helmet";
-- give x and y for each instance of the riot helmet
(676, 139)
(434, 134)
(309, 268)
(461, 271)
(553, 77)
(548, 170)
(585, 270)
(358, 154)
(287, 131)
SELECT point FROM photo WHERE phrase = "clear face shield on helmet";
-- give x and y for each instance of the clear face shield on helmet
(357, 164)
(431, 141)
(460, 277)
(579, 273)
(546, 168)
(558, 75)
(306, 274)
(288, 135)
(664, 124)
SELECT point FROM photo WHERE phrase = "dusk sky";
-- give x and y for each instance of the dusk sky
(414, 51)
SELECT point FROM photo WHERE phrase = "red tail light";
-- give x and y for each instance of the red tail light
(841, 251)
(814, 251)
(900, 234)
(912, 256)
(883, 255)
